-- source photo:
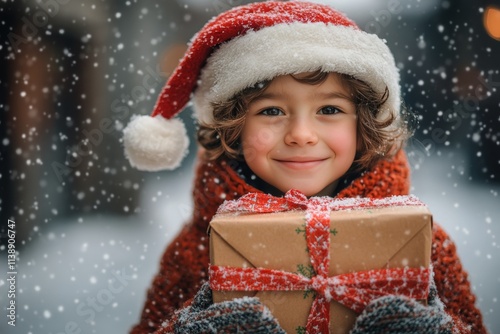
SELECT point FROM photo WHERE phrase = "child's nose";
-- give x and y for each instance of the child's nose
(301, 132)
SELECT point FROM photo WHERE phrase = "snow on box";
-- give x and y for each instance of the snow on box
(365, 237)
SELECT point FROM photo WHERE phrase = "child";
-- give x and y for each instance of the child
(288, 95)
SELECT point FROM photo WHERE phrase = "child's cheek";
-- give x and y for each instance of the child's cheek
(259, 139)
(342, 140)
(257, 142)
(250, 154)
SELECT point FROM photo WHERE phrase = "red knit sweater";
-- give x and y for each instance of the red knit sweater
(183, 266)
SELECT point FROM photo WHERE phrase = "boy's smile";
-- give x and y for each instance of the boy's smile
(301, 136)
(301, 163)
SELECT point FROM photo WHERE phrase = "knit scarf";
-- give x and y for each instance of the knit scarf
(219, 181)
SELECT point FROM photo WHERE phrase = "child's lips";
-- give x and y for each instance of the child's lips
(301, 163)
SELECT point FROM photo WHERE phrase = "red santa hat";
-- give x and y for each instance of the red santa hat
(247, 45)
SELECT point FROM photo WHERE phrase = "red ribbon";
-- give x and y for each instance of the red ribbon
(264, 203)
(295, 200)
(354, 290)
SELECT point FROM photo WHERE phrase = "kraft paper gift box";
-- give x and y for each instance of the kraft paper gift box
(261, 231)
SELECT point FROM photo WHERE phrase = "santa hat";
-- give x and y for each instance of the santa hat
(247, 45)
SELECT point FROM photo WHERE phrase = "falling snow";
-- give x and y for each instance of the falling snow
(84, 216)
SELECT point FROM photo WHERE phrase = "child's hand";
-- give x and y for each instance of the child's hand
(402, 315)
(241, 315)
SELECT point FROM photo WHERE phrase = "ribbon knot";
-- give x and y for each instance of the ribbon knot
(321, 285)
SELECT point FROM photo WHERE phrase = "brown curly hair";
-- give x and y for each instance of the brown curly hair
(377, 138)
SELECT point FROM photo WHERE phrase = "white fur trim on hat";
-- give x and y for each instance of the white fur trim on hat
(155, 143)
(296, 47)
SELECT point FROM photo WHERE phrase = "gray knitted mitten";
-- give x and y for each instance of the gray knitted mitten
(241, 315)
(402, 315)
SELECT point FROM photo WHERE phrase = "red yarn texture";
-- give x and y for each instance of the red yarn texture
(184, 264)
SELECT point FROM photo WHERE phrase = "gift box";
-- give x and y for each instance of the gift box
(316, 263)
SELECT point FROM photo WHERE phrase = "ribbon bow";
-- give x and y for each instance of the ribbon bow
(354, 290)
(264, 203)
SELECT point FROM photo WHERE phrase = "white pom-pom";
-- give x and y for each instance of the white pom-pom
(155, 143)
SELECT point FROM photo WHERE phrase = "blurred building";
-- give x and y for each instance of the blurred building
(451, 79)
(74, 73)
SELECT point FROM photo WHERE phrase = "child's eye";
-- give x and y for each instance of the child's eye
(271, 112)
(329, 110)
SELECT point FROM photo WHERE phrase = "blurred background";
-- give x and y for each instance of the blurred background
(90, 229)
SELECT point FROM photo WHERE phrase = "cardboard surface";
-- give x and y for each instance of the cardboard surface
(364, 240)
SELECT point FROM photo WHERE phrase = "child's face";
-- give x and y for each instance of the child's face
(301, 136)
